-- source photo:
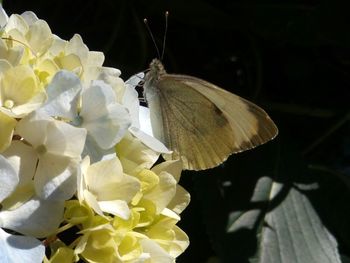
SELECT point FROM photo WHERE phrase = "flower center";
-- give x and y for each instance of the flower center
(41, 149)
(78, 120)
(9, 104)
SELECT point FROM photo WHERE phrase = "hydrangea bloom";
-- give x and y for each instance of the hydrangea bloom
(73, 157)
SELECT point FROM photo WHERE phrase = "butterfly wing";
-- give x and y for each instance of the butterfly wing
(202, 123)
(251, 124)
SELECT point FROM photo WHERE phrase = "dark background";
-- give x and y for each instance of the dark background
(291, 58)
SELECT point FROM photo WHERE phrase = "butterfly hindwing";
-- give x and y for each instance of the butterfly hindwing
(190, 125)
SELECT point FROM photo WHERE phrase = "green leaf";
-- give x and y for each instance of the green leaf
(287, 226)
(225, 192)
(293, 231)
(248, 219)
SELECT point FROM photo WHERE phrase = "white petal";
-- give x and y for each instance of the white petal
(36, 217)
(107, 181)
(29, 17)
(17, 23)
(108, 72)
(149, 141)
(34, 128)
(77, 46)
(55, 178)
(130, 97)
(64, 139)
(180, 201)
(169, 213)
(3, 17)
(96, 59)
(8, 178)
(63, 96)
(103, 173)
(134, 80)
(105, 119)
(58, 137)
(95, 152)
(23, 159)
(4, 64)
(10, 56)
(181, 242)
(131, 102)
(145, 121)
(158, 254)
(164, 192)
(91, 200)
(81, 185)
(173, 167)
(175, 245)
(34, 103)
(116, 207)
(110, 129)
(24, 249)
(39, 37)
(134, 155)
(111, 77)
(57, 45)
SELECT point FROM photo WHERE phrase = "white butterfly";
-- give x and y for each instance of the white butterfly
(201, 123)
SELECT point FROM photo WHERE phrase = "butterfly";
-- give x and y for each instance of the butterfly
(200, 122)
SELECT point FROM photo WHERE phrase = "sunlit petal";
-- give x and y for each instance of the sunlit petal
(22, 249)
(36, 217)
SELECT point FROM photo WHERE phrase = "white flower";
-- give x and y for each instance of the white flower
(29, 33)
(94, 108)
(20, 91)
(74, 56)
(58, 104)
(105, 187)
(58, 147)
(134, 155)
(33, 218)
(105, 119)
(22, 210)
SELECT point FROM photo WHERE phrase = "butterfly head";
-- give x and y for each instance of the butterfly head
(156, 68)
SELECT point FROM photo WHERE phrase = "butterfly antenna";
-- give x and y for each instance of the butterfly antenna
(165, 33)
(152, 37)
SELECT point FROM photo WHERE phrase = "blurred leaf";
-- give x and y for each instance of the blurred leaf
(225, 192)
(290, 228)
(293, 231)
(279, 224)
(249, 219)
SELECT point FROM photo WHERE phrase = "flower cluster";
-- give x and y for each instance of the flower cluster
(74, 159)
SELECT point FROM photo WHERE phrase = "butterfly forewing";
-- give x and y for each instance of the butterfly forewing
(250, 124)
